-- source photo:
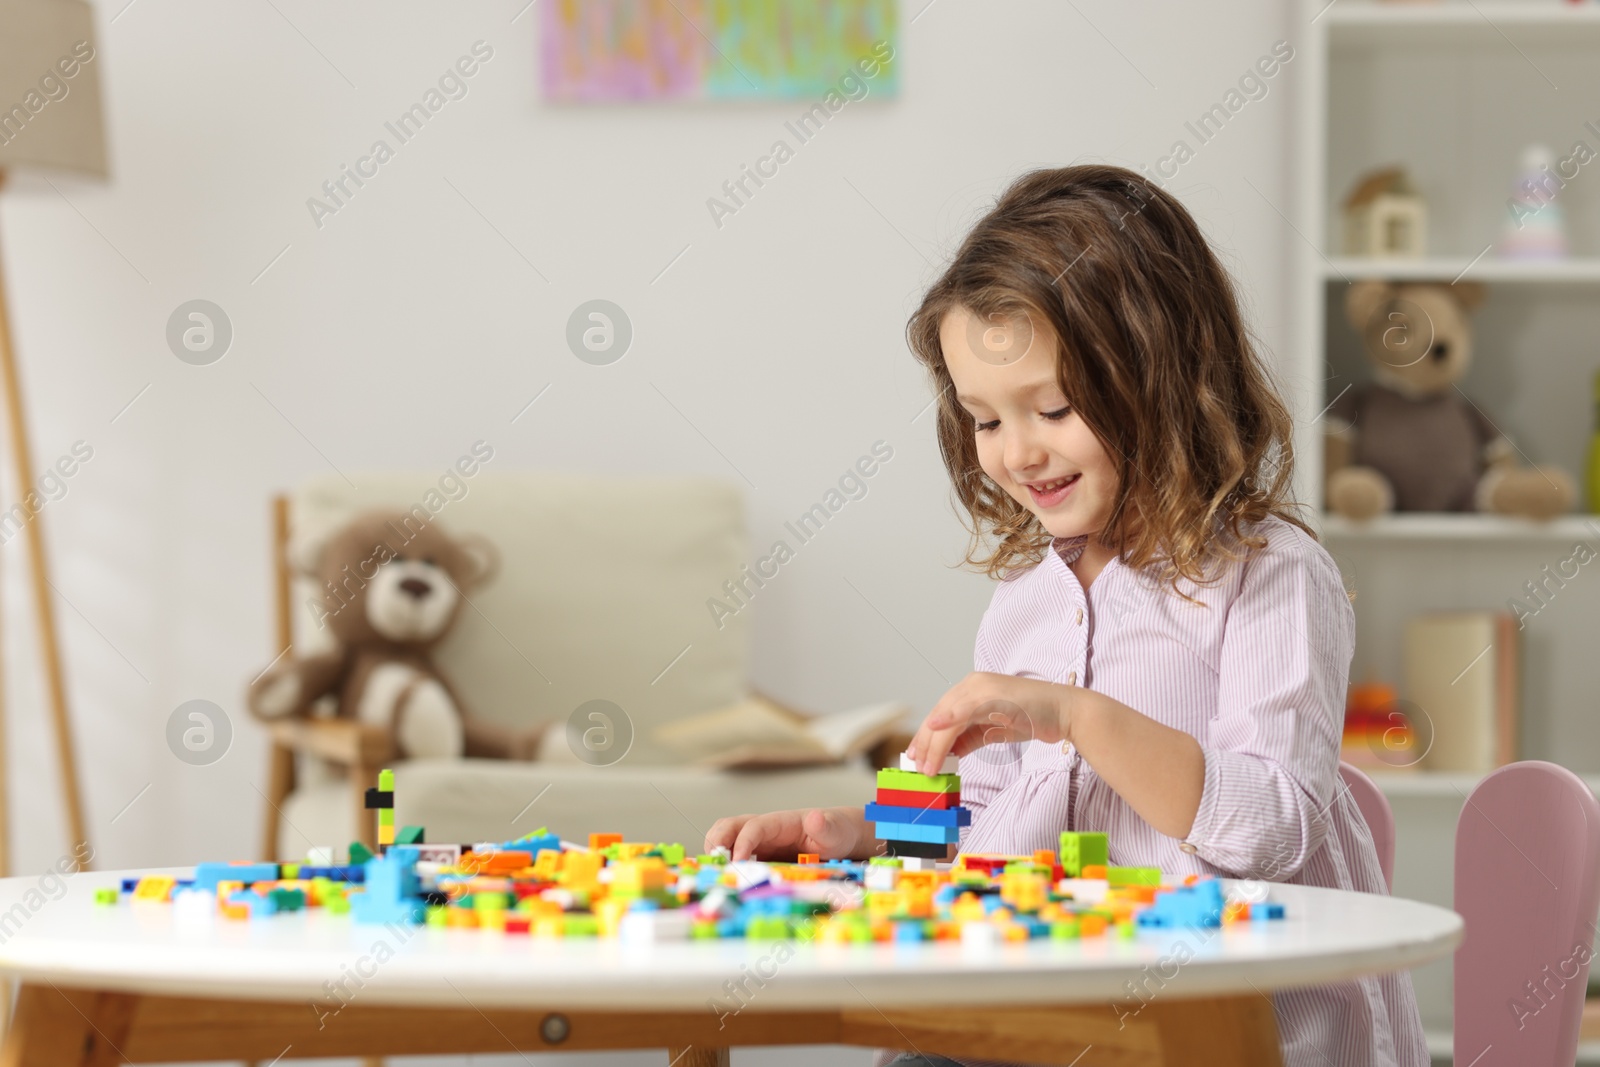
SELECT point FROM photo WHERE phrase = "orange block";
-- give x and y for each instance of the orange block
(600, 841)
(810, 857)
(507, 862)
(1094, 870)
(1091, 925)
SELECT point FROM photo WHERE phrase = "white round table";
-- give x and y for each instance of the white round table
(134, 983)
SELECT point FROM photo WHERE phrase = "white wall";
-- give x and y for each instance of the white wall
(406, 328)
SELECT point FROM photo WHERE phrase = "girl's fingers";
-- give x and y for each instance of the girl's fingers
(724, 831)
(827, 833)
(774, 832)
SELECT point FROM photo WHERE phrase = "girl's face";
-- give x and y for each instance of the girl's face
(1029, 440)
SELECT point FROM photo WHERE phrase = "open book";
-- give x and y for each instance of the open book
(758, 732)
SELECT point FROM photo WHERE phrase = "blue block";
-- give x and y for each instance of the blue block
(354, 874)
(905, 831)
(258, 904)
(1186, 906)
(909, 931)
(957, 816)
(393, 892)
(207, 875)
(1265, 910)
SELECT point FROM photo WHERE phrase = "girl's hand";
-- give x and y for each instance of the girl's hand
(991, 709)
(832, 833)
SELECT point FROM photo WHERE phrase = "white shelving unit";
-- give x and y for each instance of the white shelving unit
(1453, 91)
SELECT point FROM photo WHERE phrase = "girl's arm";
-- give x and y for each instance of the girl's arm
(1159, 771)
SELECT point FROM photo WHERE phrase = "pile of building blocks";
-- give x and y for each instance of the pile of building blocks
(644, 892)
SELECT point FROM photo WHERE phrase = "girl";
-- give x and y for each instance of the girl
(1166, 654)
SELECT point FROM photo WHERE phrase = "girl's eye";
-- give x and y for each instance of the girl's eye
(982, 426)
(1056, 416)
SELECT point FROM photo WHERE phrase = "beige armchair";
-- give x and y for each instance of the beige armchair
(601, 594)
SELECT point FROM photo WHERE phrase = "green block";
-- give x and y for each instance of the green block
(386, 781)
(672, 854)
(1064, 930)
(359, 853)
(486, 900)
(765, 926)
(288, 899)
(408, 835)
(580, 924)
(385, 816)
(1133, 875)
(438, 915)
(703, 930)
(894, 778)
(105, 895)
(336, 904)
(706, 859)
(290, 871)
(1126, 930)
(1080, 850)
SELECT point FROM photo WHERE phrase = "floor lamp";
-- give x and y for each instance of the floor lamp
(50, 118)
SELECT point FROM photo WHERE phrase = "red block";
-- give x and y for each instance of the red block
(914, 798)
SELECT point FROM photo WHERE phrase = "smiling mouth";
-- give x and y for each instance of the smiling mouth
(1048, 494)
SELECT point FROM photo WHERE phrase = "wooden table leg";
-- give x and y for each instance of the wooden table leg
(697, 1057)
(67, 1028)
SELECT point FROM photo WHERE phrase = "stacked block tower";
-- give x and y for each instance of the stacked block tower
(919, 815)
(382, 798)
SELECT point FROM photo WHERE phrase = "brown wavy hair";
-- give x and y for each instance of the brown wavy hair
(1152, 353)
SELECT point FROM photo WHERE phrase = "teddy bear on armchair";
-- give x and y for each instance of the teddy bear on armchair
(392, 589)
(1411, 440)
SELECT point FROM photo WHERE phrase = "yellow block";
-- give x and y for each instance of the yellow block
(154, 887)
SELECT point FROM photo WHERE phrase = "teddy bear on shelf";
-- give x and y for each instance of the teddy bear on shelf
(1411, 440)
(391, 587)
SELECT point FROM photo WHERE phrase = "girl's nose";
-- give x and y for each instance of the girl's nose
(1022, 452)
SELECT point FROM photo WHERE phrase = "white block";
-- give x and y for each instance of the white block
(917, 863)
(194, 907)
(319, 856)
(650, 927)
(1085, 890)
(951, 764)
(881, 876)
(980, 933)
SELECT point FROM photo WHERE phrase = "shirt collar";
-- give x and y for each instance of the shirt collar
(1069, 548)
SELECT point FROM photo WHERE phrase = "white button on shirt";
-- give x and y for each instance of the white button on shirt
(1256, 672)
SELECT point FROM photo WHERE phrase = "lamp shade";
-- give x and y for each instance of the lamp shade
(50, 113)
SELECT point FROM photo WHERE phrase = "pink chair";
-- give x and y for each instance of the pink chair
(1379, 816)
(1527, 883)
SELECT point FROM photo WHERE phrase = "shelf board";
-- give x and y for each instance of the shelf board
(1575, 270)
(1442, 526)
(1457, 22)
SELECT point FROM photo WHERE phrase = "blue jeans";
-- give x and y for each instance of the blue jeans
(911, 1059)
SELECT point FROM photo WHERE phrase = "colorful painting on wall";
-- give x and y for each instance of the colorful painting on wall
(618, 50)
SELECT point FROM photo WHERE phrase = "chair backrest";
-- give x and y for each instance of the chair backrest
(1527, 885)
(1379, 816)
(603, 591)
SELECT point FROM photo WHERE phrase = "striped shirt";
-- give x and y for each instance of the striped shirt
(1258, 677)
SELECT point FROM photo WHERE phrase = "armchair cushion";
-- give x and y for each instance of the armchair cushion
(602, 591)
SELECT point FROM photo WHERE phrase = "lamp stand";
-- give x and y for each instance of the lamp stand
(22, 459)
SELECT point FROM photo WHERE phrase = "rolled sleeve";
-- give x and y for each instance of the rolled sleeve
(1272, 755)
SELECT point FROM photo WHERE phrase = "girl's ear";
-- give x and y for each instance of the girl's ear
(479, 558)
(1363, 301)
